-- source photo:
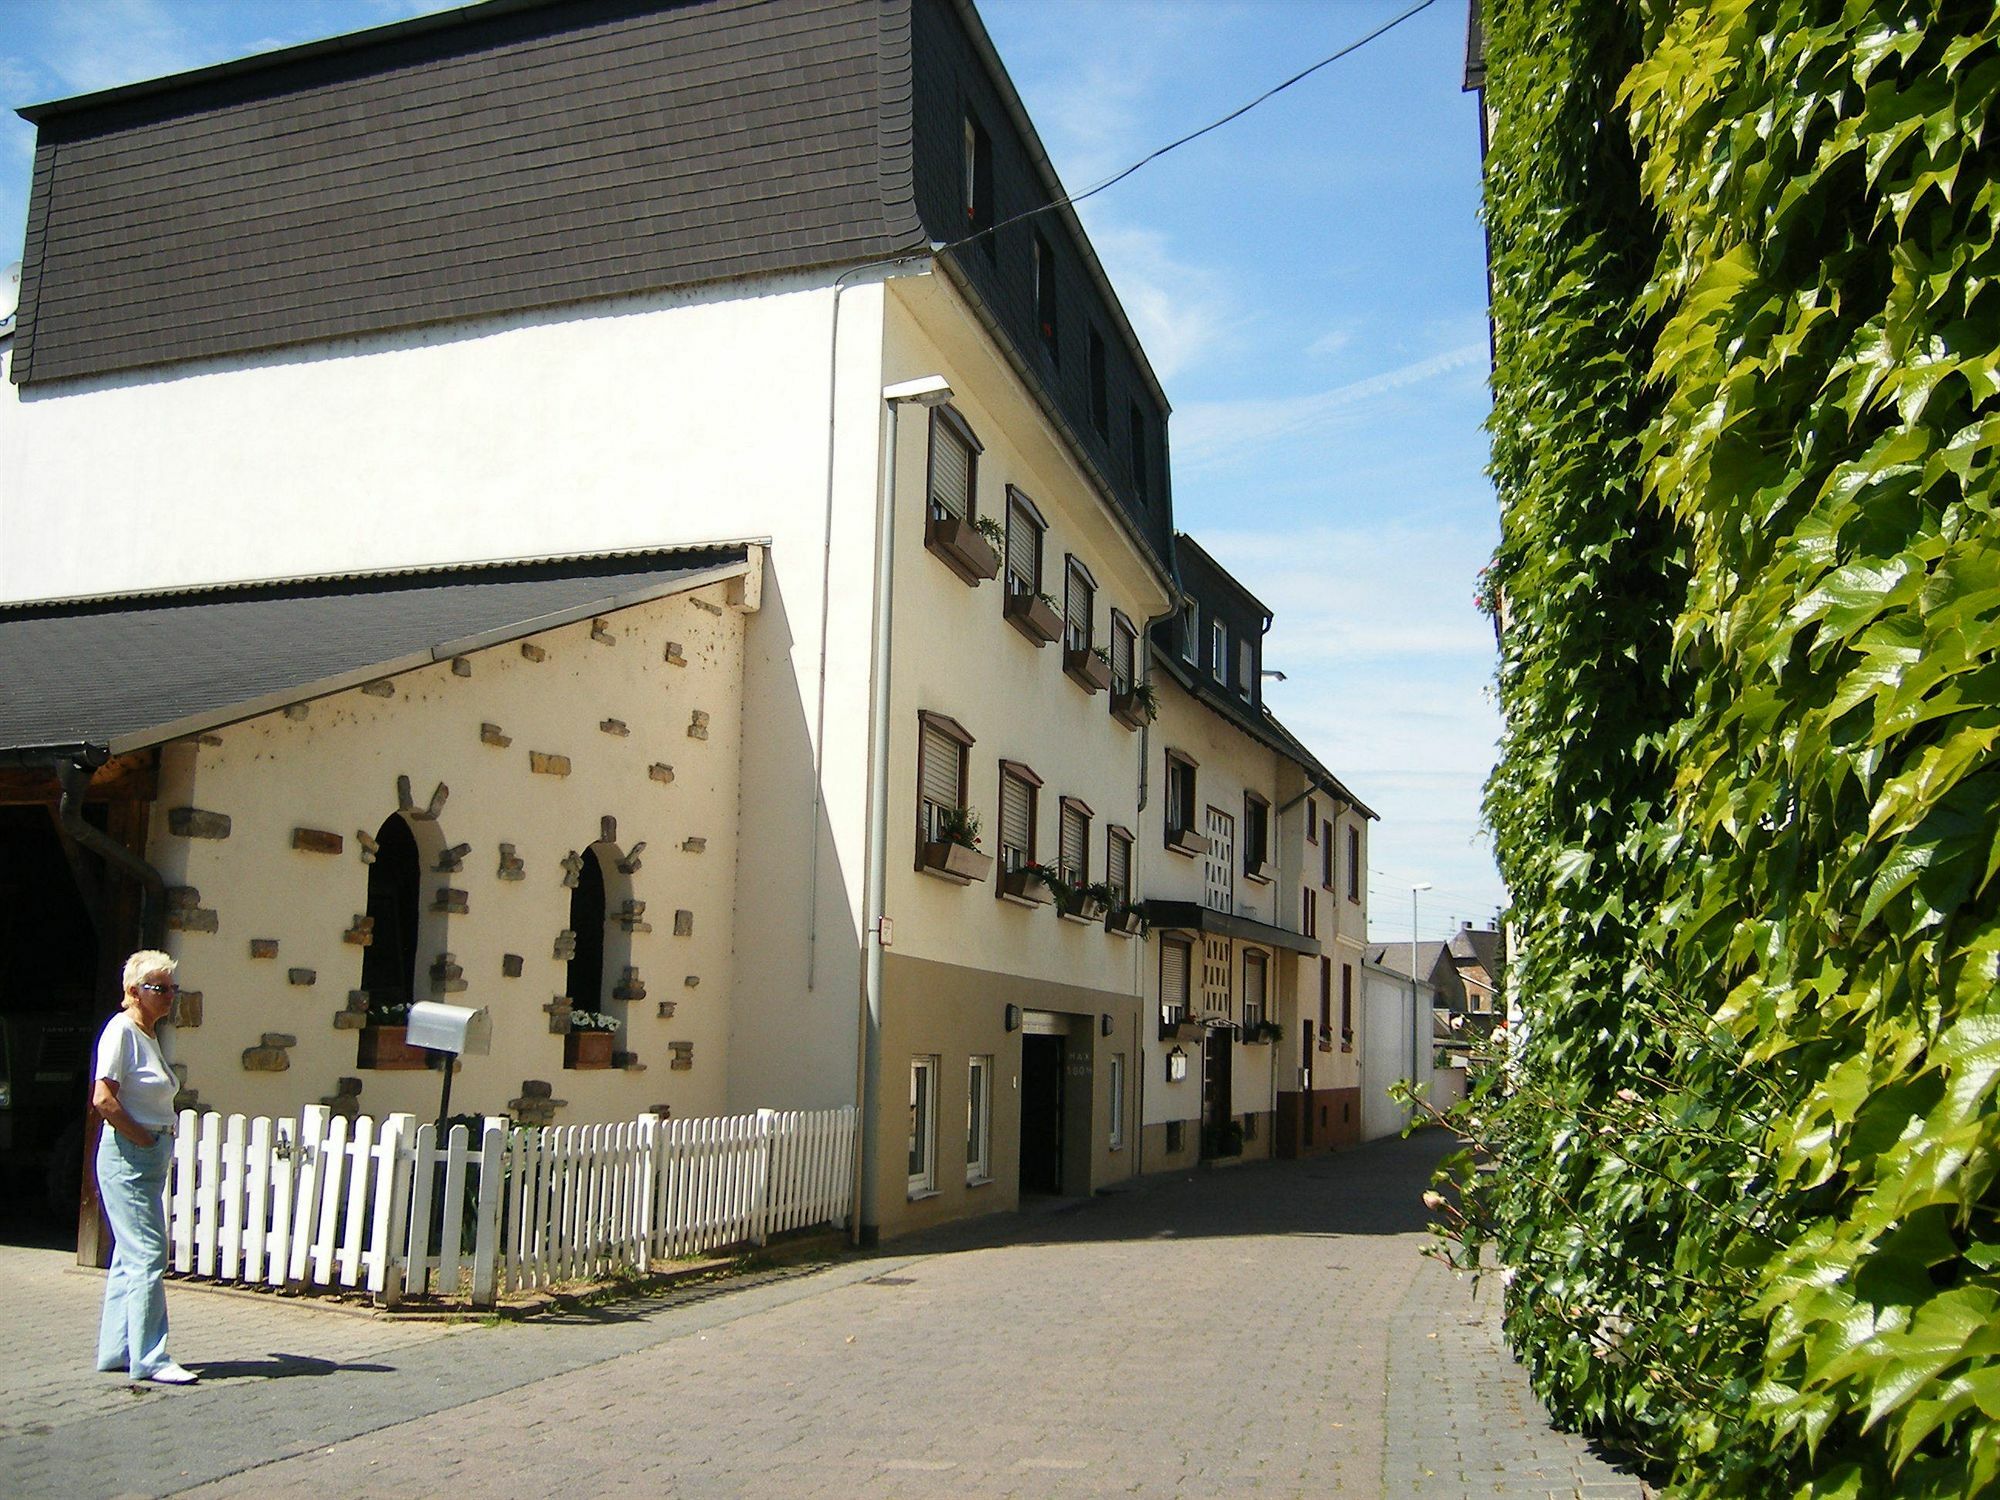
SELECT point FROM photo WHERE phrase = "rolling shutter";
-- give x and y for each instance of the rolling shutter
(1076, 608)
(1253, 987)
(1122, 642)
(1174, 977)
(940, 767)
(1017, 816)
(1118, 865)
(951, 471)
(1024, 548)
(1075, 843)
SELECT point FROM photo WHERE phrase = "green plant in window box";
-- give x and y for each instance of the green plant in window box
(960, 826)
(1052, 602)
(992, 530)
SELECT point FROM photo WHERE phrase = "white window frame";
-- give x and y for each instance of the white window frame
(1218, 651)
(1191, 632)
(923, 1124)
(979, 1119)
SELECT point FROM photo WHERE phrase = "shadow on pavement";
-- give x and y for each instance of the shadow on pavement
(282, 1367)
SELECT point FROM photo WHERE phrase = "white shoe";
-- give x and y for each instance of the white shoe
(173, 1374)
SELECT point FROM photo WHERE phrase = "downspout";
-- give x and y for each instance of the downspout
(1138, 959)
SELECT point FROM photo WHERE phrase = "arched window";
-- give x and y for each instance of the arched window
(586, 920)
(389, 962)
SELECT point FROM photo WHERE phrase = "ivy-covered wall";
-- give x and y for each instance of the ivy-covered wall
(1747, 401)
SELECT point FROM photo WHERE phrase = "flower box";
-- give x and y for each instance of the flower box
(1086, 669)
(384, 1049)
(1031, 615)
(1127, 921)
(587, 1049)
(961, 548)
(956, 862)
(1025, 887)
(1182, 1031)
(1129, 709)
(1082, 909)
(1260, 872)
(1186, 841)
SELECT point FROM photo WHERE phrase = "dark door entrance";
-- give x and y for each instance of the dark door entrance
(1218, 1124)
(1041, 1114)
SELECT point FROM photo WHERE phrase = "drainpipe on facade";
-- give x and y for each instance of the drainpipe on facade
(928, 390)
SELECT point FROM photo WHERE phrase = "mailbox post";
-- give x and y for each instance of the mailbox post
(455, 1030)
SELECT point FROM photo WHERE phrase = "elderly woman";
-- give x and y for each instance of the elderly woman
(134, 1094)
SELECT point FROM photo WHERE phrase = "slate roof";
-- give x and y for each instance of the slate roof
(138, 669)
(516, 155)
(1480, 945)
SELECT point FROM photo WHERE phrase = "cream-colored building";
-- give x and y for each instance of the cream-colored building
(845, 351)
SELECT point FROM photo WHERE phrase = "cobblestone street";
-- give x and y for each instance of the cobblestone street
(1267, 1330)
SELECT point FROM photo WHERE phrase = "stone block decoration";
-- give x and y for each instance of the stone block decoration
(632, 917)
(683, 1056)
(614, 727)
(661, 772)
(607, 828)
(693, 981)
(452, 900)
(558, 1011)
(365, 842)
(537, 1104)
(631, 987)
(629, 865)
(317, 841)
(601, 633)
(627, 1062)
(489, 734)
(345, 1099)
(185, 913)
(461, 667)
(298, 712)
(511, 965)
(187, 1009)
(196, 823)
(664, 1111)
(263, 947)
(694, 845)
(272, 1055)
(667, 1008)
(447, 978)
(546, 763)
(531, 652)
(406, 802)
(362, 933)
(572, 870)
(511, 865)
(354, 1015)
(565, 947)
(676, 654)
(698, 725)
(303, 978)
(683, 923)
(452, 860)
(381, 687)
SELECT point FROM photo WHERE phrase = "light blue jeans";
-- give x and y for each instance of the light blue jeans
(132, 1182)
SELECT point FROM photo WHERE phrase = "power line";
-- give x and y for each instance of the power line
(1070, 200)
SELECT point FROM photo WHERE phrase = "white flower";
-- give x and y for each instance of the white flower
(1433, 1200)
(1630, 1096)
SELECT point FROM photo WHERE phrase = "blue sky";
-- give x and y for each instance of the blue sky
(1309, 282)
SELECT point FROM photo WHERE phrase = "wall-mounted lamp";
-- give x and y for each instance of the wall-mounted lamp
(925, 390)
(1013, 1018)
(1104, 1024)
(1176, 1065)
(1273, 673)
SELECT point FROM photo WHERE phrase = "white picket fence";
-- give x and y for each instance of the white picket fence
(320, 1201)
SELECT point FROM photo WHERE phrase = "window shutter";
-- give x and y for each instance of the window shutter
(1253, 985)
(1173, 976)
(1075, 844)
(1017, 816)
(1076, 609)
(1122, 641)
(1118, 865)
(1024, 548)
(951, 470)
(940, 770)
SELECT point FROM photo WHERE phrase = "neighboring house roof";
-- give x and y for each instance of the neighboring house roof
(1475, 46)
(135, 670)
(1480, 946)
(1434, 967)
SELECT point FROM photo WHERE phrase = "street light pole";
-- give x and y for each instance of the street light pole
(1416, 1004)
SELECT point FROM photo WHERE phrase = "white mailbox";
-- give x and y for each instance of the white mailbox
(450, 1028)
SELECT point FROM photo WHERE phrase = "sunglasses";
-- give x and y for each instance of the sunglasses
(169, 988)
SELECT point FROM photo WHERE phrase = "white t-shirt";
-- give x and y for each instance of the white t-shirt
(137, 1063)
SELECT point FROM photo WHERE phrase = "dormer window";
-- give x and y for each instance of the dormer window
(1190, 632)
(1138, 431)
(977, 191)
(1045, 296)
(1246, 670)
(1218, 652)
(1100, 396)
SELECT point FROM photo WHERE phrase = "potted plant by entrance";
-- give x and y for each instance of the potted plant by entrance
(588, 1041)
(381, 1045)
(954, 853)
(1031, 884)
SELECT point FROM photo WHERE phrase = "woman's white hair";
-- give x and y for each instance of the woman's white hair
(146, 963)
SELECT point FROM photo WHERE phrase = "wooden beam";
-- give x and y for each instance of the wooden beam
(134, 776)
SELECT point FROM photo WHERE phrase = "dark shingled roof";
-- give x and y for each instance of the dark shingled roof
(133, 671)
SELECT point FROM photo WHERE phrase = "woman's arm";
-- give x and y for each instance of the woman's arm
(104, 1099)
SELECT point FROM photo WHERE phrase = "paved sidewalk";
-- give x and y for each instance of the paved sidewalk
(1266, 1330)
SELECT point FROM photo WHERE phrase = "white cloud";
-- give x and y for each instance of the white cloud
(1208, 432)
(1183, 313)
(102, 45)
(1330, 343)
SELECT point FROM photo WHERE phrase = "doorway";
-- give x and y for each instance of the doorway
(1041, 1114)
(1220, 1135)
